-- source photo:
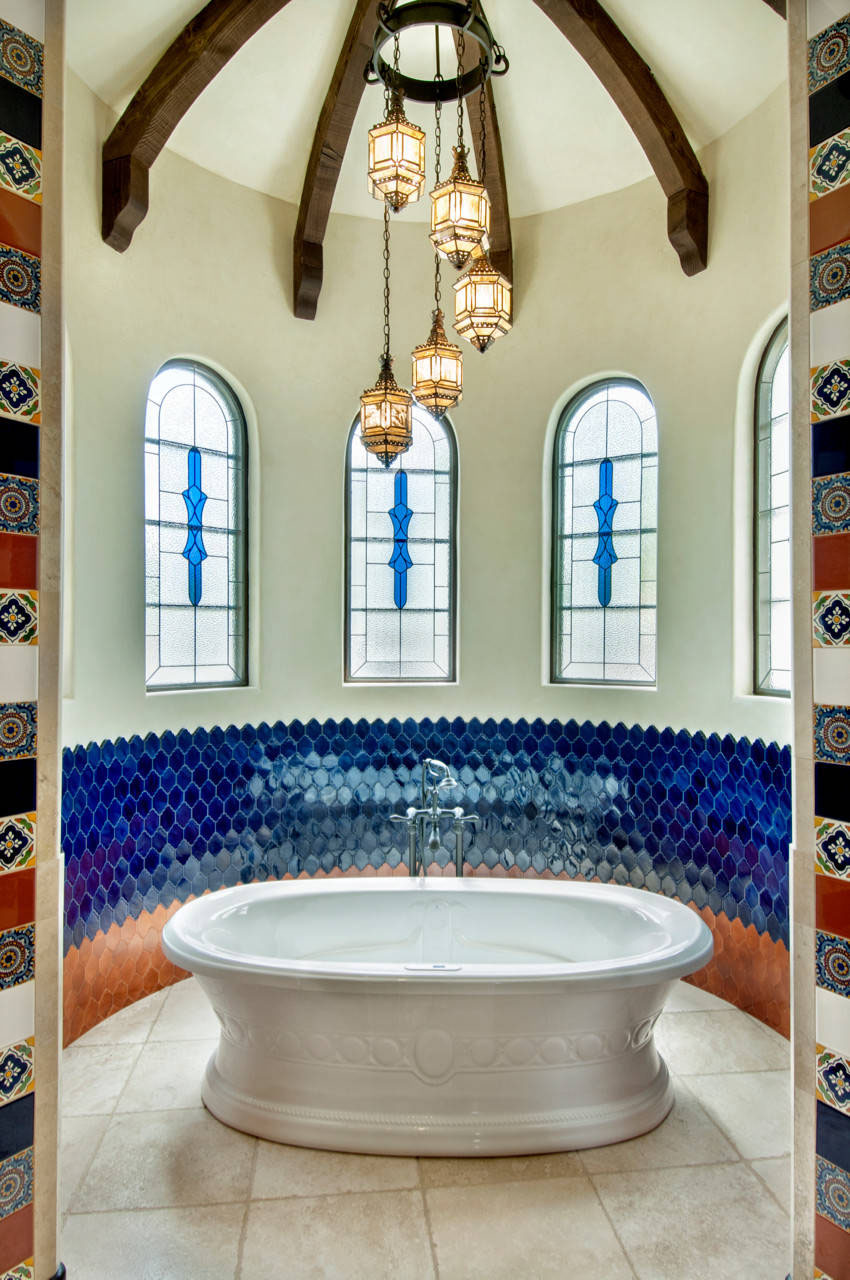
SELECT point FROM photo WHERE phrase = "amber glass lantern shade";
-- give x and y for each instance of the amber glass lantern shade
(460, 213)
(437, 370)
(386, 417)
(396, 159)
(482, 304)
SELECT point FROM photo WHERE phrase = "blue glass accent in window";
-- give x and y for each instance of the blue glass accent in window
(605, 506)
(400, 560)
(194, 550)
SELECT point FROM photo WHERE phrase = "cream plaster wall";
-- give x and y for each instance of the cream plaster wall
(598, 290)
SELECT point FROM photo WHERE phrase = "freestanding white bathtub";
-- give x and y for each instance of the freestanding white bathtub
(435, 1016)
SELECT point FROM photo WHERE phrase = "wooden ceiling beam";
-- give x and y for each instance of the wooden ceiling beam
(778, 6)
(501, 245)
(323, 168)
(631, 84)
(189, 64)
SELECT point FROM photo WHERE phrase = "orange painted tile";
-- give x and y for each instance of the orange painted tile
(829, 220)
(832, 1248)
(20, 223)
(15, 1238)
(19, 560)
(832, 905)
(831, 556)
(17, 898)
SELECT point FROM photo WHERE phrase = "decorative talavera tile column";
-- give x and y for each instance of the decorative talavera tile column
(828, 103)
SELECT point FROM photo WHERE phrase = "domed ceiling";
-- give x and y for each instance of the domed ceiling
(563, 138)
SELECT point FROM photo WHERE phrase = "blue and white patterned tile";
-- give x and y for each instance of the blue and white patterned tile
(833, 1193)
(20, 279)
(20, 167)
(17, 842)
(18, 504)
(20, 391)
(18, 730)
(832, 845)
(15, 1182)
(829, 165)
(832, 734)
(18, 617)
(833, 1082)
(21, 58)
(830, 389)
(17, 955)
(831, 504)
(829, 276)
(16, 1071)
(23, 1271)
(829, 54)
(832, 960)
(830, 618)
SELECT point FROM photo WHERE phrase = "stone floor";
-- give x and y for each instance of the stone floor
(154, 1188)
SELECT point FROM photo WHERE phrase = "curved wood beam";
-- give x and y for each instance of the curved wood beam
(778, 6)
(631, 84)
(189, 64)
(326, 157)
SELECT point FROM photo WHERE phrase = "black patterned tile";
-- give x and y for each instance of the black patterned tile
(829, 110)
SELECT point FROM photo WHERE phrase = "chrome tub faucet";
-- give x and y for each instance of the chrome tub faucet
(436, 776)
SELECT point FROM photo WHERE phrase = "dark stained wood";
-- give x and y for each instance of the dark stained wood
(631, 84)
(323, 167)
(501, 245)
(778, 6)
(188, 65)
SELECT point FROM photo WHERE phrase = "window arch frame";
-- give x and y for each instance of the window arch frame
(446, 425)
(772, 353)
(238, 449)
(567, 415)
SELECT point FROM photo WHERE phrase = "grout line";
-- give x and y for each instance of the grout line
(766, 1184)
(244, 1229)
(428, 1227)
(612, 1225)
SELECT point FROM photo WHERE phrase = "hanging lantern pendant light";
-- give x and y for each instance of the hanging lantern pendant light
(386, 409)
(437, 380)
(396, 152)
(460, 207)
(483, 296)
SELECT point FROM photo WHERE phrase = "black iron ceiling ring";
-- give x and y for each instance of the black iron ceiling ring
(465, 17)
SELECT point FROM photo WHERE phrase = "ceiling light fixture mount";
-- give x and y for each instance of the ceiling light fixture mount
(467, 18)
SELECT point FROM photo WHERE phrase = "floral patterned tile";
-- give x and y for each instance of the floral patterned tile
(18, 617)
(820, 1275)
(17, 955)
(830, 618)
(832, 961)
(833, 1084)
(829, 54)
(832, 844)
(23, 1271)
(829, 165)
(833, 1193)
(21, 58)
(20, 391)
(831, 504)
(20, 278)
(18, 504)
(829, 276)
(16, 1071)
(831, 734)
(15, 1182)
(18, 729)
(830, 389)
(20, 167)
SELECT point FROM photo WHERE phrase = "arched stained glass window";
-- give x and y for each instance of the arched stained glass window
(400, 558)
(195, 530)
(605, 503)
(772, 509)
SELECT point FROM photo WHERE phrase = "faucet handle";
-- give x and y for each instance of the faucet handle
(461, 817)
(437, 774)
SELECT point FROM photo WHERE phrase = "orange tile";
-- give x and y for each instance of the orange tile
(832, 1248)
(17, 898)
(20, 223)
(832, 905)
(18, 560)
(831, 557)
(829, 220)
(15, 1238)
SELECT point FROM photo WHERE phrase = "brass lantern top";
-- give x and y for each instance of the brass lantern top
(460, 212)
(396, 158)
(437, 370)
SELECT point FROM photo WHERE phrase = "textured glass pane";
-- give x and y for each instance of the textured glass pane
(623, 434)
(772, 521)
(212, 636)
(177, 641)
(210, 421)
(177, 415)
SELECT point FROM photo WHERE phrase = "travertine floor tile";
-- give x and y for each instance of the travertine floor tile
(80, 1137)
(700, 1043)
(686, 998)
(94, 1075)
(777, 1175)
(299, 1171)
(686, 1137)
(155, 1159)
(351, 1237)
(167, 1076)
(129, 1026)
(513, 1230)
(155, 1244)
(702, 1223)
(186, 1015)
(476, 1172)
(752, 1109)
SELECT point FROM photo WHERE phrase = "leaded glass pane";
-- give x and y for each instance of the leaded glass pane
(400, 574)
(195, 530)
(772, 520)
(604, 544)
